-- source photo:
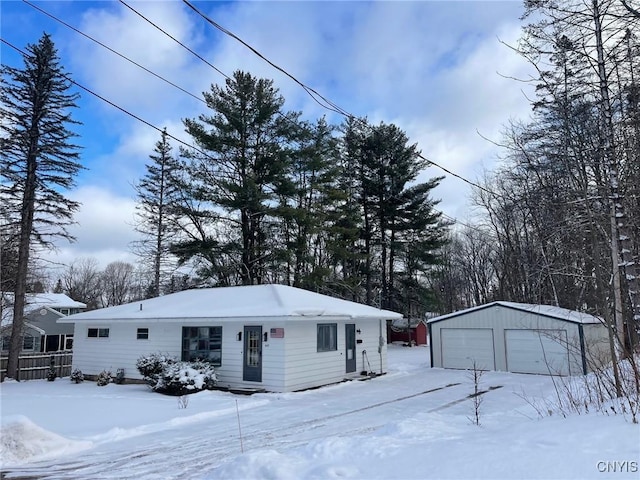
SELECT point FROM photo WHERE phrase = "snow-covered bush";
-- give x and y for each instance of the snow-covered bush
(77, 376)
(181, 378)
(151, 366)
(104, 378)
(165, 374)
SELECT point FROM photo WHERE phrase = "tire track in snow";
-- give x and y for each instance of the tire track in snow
(205, 449)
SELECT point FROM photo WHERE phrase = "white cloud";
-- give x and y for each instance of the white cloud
(104, 228)
(429, 67)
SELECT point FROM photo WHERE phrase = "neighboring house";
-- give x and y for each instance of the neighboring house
(397, 331)
(264, 337)
(42, 332)
(518, 338)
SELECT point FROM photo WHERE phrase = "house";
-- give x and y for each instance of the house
(42, 332)
(520, 338)
(264, 337)
(397, 331)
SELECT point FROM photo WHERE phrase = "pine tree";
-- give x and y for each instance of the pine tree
(38, 161)
(157, 192)
(245, 143)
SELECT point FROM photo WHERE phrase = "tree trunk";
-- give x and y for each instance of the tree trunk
(24, 250)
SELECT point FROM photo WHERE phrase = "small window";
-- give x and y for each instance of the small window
(142, 334)
(28, 342)
(98, 333)
(327, 337)
(68, 342)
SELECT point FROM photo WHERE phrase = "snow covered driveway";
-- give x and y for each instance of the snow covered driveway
(410, 423)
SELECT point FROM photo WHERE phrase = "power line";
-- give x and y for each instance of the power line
(319, 99)
(175, 40)
(112, 50)
(325, 103)
(329, 105)
(133, 115)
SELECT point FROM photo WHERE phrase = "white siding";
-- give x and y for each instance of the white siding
(288, 364)
(501, 319)
(596, 343)
(122, 349)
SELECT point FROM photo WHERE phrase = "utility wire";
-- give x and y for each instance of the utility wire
(325, 103)
(112, 50)
(133, 115)
(328, 104)
(321, 100)
(175, 40)
(335, 108)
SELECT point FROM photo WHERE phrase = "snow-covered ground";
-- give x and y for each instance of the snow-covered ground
(412, 423)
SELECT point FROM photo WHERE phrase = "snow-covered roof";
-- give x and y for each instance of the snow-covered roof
(25, 326)
(235, 303)
(544, 310)
(37, 301)
(52, 300)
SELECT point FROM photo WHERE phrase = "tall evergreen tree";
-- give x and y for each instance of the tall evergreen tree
(242, 163)
(397, 214)
(156, 208)
(39, 161)
(303, 206)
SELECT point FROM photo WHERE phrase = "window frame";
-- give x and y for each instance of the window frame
(32, 340)
(100, 332)
(203, 343)
(327, 337)
(142, 333)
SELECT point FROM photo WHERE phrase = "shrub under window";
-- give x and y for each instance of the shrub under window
(327, 337)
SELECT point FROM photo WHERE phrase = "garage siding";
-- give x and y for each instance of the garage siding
(500, 319)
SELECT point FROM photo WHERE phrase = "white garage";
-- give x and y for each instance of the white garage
(519, 338)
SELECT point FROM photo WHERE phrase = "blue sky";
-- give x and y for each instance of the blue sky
(435, 69)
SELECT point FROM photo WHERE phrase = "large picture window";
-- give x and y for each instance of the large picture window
(202, 343)
(327, 337)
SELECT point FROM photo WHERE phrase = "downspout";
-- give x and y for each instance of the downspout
(430, 341)
(380, 343)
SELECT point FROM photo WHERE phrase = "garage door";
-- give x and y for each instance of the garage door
(537, 351)
(460, 347)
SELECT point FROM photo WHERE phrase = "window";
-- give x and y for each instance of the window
(142, 334)
(28, 342)
(64, 311)
(98, 333)
(327, 337)
(202, 343)
(68, 342)
(6, 341)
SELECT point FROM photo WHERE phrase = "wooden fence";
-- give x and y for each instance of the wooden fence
(35, 366)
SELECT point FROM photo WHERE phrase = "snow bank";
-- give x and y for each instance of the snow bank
(21, 441)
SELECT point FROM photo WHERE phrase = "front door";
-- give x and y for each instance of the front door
(252, 364)
(350, 345)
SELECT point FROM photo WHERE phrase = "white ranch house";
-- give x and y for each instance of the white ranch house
(264, 337)
(519, 338)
